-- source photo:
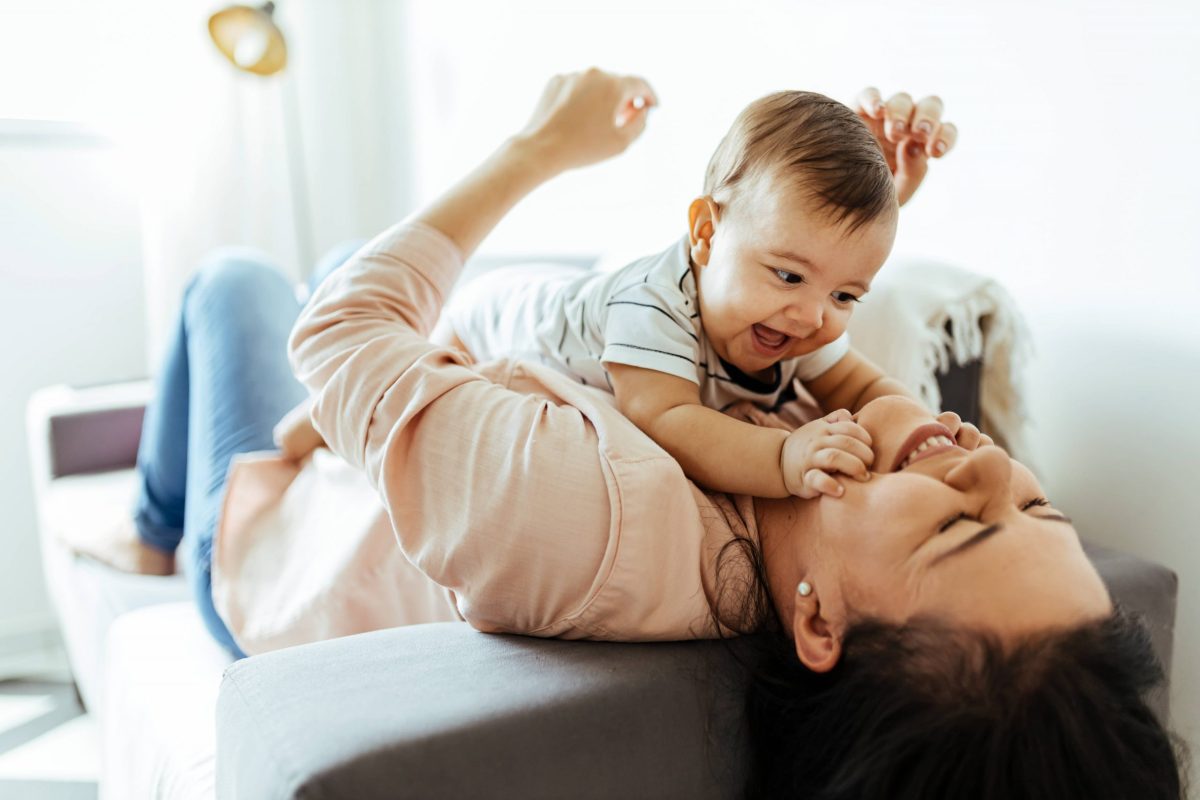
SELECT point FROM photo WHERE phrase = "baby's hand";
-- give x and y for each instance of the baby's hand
(831, 444)
(909, 133)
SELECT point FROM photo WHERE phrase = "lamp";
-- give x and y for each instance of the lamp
(250, 39)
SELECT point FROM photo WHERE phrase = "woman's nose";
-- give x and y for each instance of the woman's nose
(986, 476)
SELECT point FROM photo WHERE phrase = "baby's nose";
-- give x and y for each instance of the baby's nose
(810, 317)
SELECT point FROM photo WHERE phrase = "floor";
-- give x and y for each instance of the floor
(49, 748)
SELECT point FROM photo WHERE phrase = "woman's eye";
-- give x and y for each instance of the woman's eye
(845, 297)
(1037, 501)
(945, 526)
(789, 277)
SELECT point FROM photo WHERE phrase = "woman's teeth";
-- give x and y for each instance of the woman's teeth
(932, 441)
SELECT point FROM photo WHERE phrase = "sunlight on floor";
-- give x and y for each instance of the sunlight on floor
(17, 710)
(70, 752)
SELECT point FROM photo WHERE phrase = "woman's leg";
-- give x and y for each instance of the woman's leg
(237, 313)
(224, 385)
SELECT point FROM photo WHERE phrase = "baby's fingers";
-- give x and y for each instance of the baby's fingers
(817, 483)
(968, 437)
(853, 447)
(899, 114)
(831, 459)
(851, 429)
(941, 140)
(870, 103)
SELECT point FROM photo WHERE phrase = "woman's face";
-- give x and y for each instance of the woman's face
(968, 537)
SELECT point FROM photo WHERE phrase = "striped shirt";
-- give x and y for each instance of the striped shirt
(645, 314)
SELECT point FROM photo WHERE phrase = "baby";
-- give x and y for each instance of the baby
(798, 214)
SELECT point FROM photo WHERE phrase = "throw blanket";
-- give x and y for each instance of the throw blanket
(922, 316)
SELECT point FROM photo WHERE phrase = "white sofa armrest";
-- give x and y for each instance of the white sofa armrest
(79, 430)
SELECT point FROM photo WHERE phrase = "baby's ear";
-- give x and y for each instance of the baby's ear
(700, 229)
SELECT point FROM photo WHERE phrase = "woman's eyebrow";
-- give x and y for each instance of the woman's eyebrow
(968, 543)
(984, 533)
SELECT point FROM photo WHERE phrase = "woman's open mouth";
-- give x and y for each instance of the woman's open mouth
(925, 441)
(768, 341)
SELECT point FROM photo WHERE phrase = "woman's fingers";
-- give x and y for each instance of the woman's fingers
(588, 116)
(637, 98)
(635, 88)
(298, 439)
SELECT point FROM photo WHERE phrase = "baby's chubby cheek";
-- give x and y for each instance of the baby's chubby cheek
(824, 336)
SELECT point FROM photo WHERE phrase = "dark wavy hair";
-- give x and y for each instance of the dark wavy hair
(928, 710)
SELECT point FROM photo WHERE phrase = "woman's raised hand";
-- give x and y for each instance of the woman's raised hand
(909, 133)
(585, 117)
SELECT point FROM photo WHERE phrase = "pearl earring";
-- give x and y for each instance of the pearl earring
(805, 588)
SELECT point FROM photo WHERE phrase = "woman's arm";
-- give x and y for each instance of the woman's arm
(499, 494)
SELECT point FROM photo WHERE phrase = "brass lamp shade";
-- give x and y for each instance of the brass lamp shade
(249, 38)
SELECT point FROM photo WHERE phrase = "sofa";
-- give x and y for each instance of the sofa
(434, 710)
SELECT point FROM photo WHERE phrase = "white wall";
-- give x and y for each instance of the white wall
(1075, 183)
(71, 310)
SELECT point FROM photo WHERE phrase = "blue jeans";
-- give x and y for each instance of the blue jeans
(224, 384)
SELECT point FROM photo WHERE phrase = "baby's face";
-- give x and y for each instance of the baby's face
(778, 280)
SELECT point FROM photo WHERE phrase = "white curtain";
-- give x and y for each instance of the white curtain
(210, 145)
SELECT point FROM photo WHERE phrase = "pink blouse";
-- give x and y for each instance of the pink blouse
(521, 501)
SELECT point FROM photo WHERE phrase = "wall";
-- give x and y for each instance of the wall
(1075, 183)
(71, 311)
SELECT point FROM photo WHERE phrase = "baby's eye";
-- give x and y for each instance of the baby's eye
(845, 297)
(789, 277)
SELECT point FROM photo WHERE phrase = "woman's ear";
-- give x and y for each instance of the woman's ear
(700, 229)
(817, 645)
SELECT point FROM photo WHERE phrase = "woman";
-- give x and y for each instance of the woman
(936, 631)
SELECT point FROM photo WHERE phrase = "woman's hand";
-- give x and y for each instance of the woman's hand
(966, 435)
(909, 133)
(580, 119)
(295, 435)
(585, 117)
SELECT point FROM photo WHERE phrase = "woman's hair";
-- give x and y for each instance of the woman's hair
(813, 142)
(928, 710)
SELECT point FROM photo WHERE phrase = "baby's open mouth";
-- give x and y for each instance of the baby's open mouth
(768, 340)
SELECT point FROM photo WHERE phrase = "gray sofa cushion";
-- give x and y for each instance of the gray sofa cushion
(444, 711)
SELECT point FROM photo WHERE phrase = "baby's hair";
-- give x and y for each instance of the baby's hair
(818, 144)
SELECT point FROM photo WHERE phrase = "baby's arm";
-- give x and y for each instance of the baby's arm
(714, 449)
(851, 383)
